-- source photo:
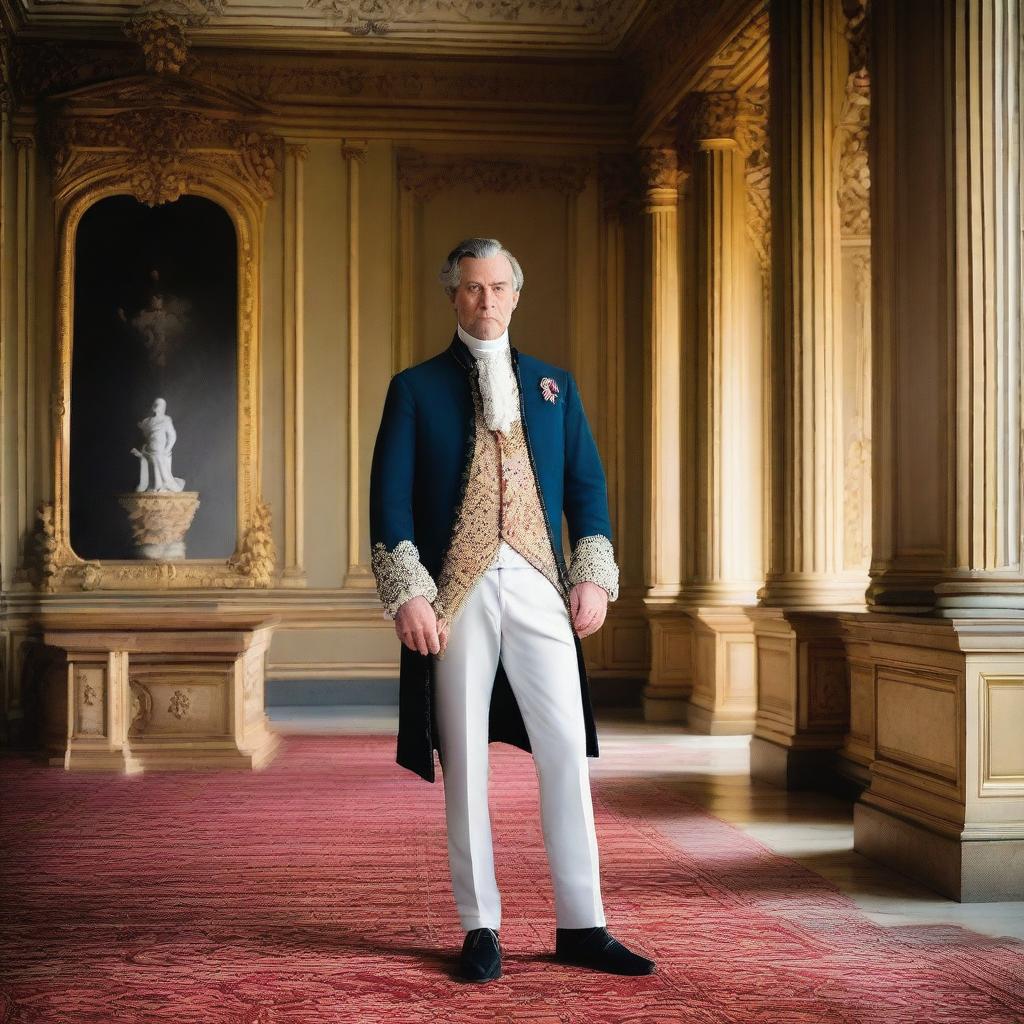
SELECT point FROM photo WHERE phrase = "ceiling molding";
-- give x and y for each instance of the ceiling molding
(435, 26)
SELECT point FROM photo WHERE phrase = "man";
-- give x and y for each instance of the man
(480, 451)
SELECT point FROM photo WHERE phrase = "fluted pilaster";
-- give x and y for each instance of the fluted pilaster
(669, 679)
(806, 562)
(727, 549)
(662, 371)
(727, 456)
(947, 528)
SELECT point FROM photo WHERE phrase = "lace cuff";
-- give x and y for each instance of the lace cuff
(400, 575)
(593, 559)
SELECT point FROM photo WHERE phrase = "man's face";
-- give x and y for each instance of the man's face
(485, 297)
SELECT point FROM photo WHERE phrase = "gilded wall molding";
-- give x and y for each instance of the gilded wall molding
(171, 141)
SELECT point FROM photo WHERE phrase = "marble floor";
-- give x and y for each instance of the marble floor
(813, 828)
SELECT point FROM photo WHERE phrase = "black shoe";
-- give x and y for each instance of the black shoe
(481, 955)
(594, 947)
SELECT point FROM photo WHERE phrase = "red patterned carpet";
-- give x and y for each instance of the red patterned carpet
(318, 890)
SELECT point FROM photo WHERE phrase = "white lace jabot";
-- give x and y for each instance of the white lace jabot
(497, 381)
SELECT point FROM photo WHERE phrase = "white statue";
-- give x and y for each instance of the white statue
(160, 438)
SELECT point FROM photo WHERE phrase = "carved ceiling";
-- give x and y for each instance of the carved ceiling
(588, 26)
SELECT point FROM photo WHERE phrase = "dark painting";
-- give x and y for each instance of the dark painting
(155, 316)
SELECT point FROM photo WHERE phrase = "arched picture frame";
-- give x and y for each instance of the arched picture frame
(115, 148)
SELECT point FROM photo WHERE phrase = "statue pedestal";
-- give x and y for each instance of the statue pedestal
(162, 689)
(159, 521)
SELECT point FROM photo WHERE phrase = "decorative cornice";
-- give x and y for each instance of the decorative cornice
(674, 46)
(383, 17)
(425, 176)
(596, 27)
(275, 80)
(742, 63)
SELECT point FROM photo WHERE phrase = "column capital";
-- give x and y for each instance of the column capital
(660, 175)
(709, 119)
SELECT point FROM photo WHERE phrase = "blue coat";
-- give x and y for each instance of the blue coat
(417, 479)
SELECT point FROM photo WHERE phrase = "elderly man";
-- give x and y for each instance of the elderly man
(480, 451)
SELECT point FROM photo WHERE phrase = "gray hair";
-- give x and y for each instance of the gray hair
(480, 249)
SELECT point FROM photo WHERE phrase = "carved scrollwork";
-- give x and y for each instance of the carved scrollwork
(163, 150)
(141, 706)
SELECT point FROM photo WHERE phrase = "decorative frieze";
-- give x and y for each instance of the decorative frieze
(383, 17)
(41, 68)
(426, 176)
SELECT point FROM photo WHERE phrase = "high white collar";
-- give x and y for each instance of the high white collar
(483, 346)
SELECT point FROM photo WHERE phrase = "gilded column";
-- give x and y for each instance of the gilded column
(946, 796)
(669, 680)
(727, 460)
(803, 693)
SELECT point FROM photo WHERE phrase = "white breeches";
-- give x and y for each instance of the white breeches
(514, 611)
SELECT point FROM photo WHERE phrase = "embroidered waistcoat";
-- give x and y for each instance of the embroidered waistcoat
(501, 502)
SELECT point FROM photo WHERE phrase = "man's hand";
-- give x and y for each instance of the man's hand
(589, 605)
(418, 627)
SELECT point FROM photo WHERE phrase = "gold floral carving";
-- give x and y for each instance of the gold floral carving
(752, 137)
(158, 138)
(255, 560)
(425, 176)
